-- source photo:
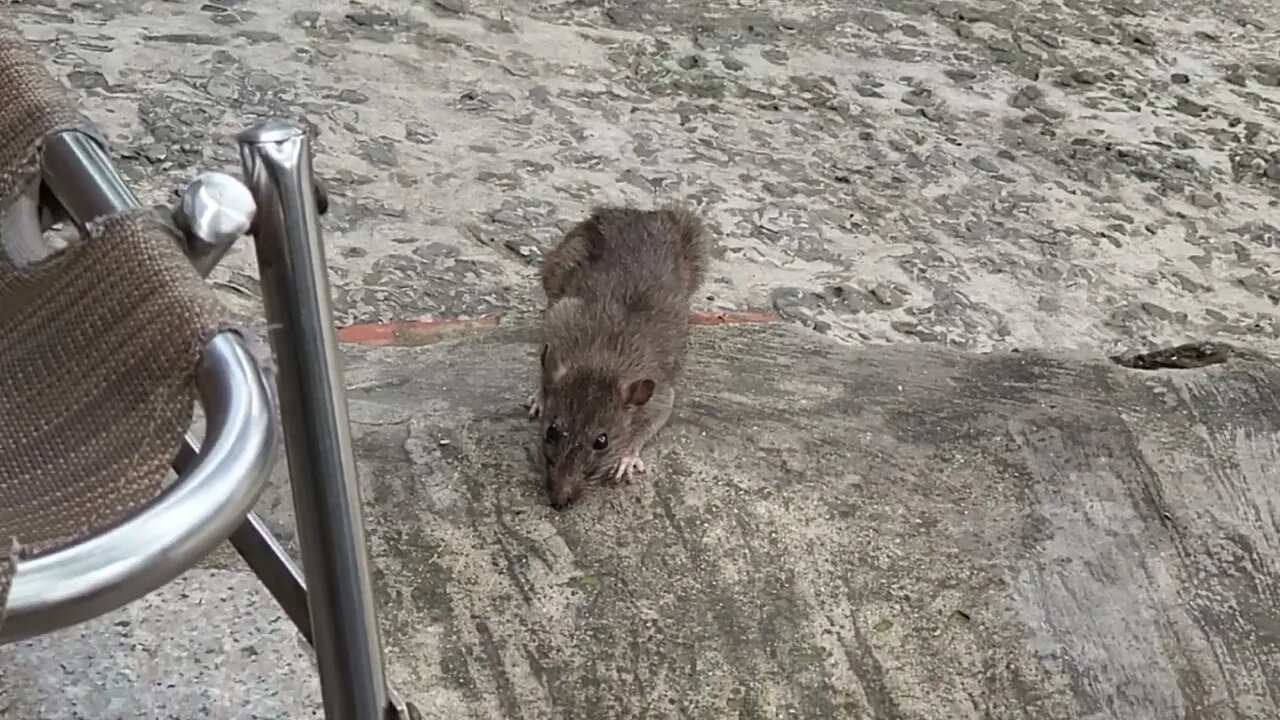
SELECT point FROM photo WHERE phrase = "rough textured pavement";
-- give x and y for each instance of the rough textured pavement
(880, 531)
(1078, 173)
(898, 532)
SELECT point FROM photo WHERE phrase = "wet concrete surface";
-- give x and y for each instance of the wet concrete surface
(854, 513)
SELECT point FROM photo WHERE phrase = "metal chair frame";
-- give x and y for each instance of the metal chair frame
(331, 599)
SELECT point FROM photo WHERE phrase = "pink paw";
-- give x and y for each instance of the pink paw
(628, 468)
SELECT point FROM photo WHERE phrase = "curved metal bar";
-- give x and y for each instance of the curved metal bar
(81, 177)
(184, 524)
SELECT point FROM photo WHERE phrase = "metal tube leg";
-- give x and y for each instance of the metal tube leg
(264, 555)
(273, 566)
(276, 157)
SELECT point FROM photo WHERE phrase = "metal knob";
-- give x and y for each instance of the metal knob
(215, 210)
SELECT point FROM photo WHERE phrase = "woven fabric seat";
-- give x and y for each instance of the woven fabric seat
(108, 336)
(99, 345)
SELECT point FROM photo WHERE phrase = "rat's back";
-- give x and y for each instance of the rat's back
(640, 260)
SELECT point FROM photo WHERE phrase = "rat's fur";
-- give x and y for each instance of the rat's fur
(618, 289)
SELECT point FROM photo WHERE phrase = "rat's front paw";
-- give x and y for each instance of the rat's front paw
(628, 468)
(534, 403)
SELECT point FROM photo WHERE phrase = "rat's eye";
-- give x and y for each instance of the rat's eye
(602, 442)
(553, 433)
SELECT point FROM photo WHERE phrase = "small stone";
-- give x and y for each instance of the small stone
(156, 153)
(260, 37)
(689, 62)
(502, 26)
(1273, 171)
(1236, 78)
(778, 190)
(220, 86)
(1179, 79)
(960, 74)
(1141, 37)
(888, 296)
(1190, 107)
(355, 97)
(985, 164)
(509, 218)
(1027, 70)
(918, 98)
(777, 56)
(227, 18)
(379, 155)
(1203, 200)
(86, 79)
(622, 15)
(419, 134)
(790, 302)
(1032, 92)
(372, 19)
(526, 251)
(731, 64)
(306, 18)
(845, 298)
(1189, 285)
(1026, 97)
(877, 23)
(1156, 311)
(1086, 77)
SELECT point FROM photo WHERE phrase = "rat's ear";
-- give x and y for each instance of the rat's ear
(638, 392)
(552, 368)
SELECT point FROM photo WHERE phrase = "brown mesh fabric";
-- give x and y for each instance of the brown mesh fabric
(98, 349)
(32, 104)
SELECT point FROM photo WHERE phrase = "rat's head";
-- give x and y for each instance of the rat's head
(587, 421)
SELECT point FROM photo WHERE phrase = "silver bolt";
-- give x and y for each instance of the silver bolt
(217, 208)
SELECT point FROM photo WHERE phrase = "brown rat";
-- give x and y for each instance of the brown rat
(618, 289)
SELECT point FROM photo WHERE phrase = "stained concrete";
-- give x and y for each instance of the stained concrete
(894, 532)
(991, 174)
(847, 518)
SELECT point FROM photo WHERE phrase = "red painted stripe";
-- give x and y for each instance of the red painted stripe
(413, 333)
(748, 317)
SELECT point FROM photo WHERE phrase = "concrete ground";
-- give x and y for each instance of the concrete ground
(858, 510)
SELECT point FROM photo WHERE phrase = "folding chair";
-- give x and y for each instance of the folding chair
(108, 335)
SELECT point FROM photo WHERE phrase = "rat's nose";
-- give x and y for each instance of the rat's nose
(561, 497)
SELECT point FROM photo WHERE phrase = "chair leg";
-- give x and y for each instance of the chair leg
(264, 555)
(276, 159)
(277, 571)
(271, 563)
